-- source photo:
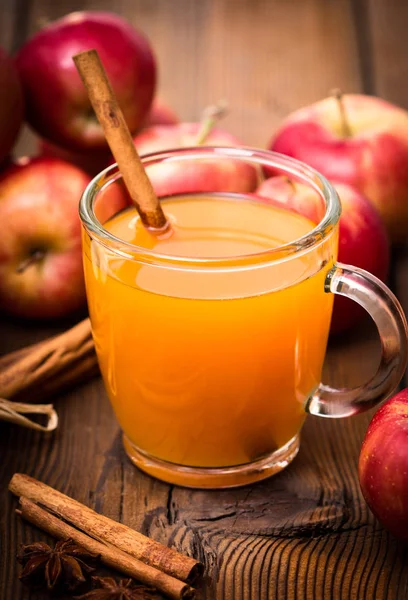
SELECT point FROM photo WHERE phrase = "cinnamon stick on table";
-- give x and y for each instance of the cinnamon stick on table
(110, 556)
(106, 530)
(38, 371)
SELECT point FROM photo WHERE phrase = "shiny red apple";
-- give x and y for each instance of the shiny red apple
(11, 104)
(359, 140)
(41, 272)
(209, 175)
(383, 465)
(363, 240)
(57, 103)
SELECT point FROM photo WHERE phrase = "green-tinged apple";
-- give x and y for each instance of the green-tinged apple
(41, 272)
(383, 465)
(363, 239)
(359, 140)
(57, 103)
(11, 104)
(209, 175)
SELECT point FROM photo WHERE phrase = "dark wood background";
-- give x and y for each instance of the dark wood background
(306, 533)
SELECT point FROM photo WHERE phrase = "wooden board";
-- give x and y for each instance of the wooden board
(307, 532)
(387, 29)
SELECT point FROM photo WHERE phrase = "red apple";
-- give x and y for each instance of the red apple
(359, 140)
(383, 465)
(40, 238)
(110, 200)
(11, 104)
(296, 196)
(363, 239)
(160, 114)
(58, 107)
(210, 175)
(91, 161)
(94, 161)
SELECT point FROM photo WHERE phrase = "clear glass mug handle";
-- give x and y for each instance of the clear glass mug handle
(386, 311)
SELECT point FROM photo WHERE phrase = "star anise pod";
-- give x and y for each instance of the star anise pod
(124, 589)
(67, 565)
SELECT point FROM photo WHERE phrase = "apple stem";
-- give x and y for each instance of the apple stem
(345, 125)
(211, 115)
(34, 257)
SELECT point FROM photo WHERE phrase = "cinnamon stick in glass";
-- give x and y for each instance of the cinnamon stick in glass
(106, 530)
(110, 556)
(119, 138)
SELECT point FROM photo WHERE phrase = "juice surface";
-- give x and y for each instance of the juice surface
(208, 367)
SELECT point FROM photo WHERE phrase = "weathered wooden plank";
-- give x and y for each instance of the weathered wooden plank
(67, 458)
(13, 23)
(387, 26)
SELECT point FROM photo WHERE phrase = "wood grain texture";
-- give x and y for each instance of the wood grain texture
(13, 23)
(387, 23)
(306, 533)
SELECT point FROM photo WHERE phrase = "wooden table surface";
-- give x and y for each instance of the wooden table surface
(306, 533)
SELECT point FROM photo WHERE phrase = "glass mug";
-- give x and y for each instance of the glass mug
(212, 361)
